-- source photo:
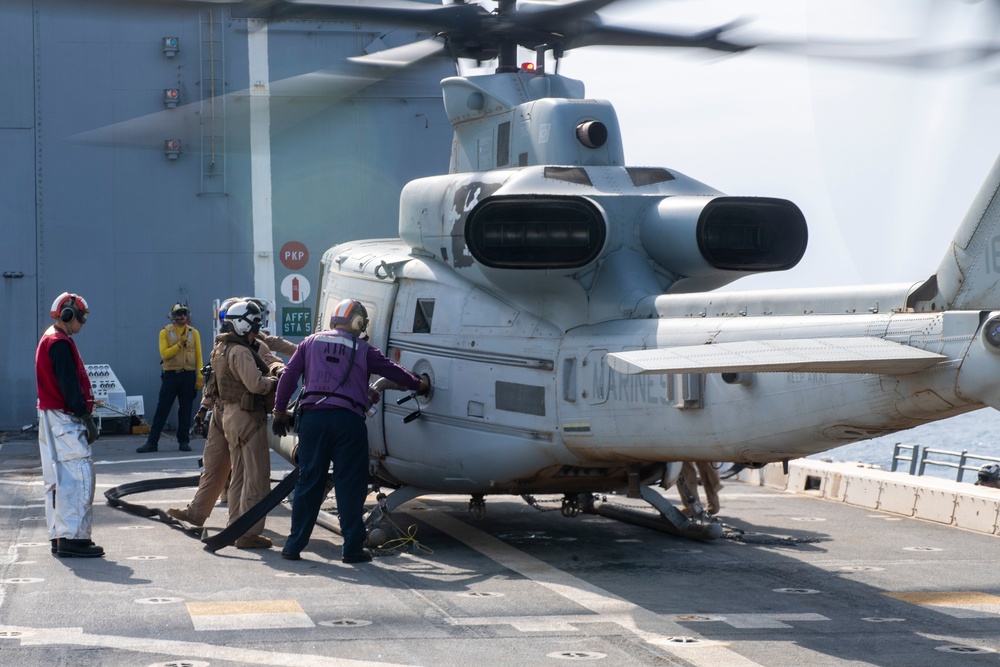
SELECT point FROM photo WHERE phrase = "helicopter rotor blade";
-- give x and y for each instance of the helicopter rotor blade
(402, 56)
(606, 35)
(903, 54)
(287, 97)
(400, 12)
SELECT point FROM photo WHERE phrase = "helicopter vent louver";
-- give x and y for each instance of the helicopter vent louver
(641, 176)
(576, 175)
(527, 232)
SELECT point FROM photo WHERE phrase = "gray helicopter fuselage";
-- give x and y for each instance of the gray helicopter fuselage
(521, 404)
(562, 305)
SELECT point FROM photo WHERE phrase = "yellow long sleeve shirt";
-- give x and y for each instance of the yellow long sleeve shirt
(180, 352)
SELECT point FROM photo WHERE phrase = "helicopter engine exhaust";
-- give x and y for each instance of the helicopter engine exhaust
(697, 236)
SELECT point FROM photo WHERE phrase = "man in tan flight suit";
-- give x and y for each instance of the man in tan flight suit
(216, 460)
(709, 479)
(244, 382)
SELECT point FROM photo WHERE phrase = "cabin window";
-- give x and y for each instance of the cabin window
(423, 315)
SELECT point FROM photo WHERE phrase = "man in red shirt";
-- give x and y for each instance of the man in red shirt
(66, 429)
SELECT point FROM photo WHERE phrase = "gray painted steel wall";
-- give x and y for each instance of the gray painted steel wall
(90, 203)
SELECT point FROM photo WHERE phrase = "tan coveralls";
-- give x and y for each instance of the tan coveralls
(242, 388)
(709, 479)
(215, 458)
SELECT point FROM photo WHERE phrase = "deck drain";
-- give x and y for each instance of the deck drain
(158, 600)
(687, 641)
(807, 518)
(345, 623)
(146, 558)
(181, 663)
(862, 568)
(135, 528)
(682, 550)
(13, 634)
(576, 655)
(964, 650)
(797, 591)
(697, 618)
(624, 540)
(21, 580)
(883, 619)
(922, 549)
(32, 544)
(481, 594)
(293, 575)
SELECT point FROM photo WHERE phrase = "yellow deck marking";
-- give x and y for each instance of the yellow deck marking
(248, 615)
(247, 607)
(946, 598)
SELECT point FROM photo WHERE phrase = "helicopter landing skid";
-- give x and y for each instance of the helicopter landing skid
(670, 520)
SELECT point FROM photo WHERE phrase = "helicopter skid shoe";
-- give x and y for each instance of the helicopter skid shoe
(378, 521)
(671, 521)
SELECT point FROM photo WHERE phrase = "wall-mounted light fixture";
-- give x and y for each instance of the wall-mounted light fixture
(171, 45)
(171, 97)
(171, 148)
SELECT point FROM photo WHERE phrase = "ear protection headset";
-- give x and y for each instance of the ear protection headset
(69, 306)
(352, 314)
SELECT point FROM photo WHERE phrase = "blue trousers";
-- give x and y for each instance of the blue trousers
(340, 437)
(179, 386)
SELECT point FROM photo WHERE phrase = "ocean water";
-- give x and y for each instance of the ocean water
(977, 432)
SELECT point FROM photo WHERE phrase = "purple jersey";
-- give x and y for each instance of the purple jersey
(334, 367)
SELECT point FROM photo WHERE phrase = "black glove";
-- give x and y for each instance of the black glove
(92, 432)
(199, 417)
(279, 426)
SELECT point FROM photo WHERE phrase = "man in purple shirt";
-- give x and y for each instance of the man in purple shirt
(334, 366)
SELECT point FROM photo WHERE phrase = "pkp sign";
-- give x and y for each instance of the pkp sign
(294, 255)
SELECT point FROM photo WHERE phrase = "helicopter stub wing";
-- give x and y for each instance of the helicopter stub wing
(817, 355)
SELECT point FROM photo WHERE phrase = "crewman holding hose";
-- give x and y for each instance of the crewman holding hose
(335, 366)
(215, 458)
(244, 382)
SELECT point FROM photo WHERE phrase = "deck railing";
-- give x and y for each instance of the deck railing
(918, 459)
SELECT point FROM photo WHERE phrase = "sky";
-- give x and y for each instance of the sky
(883, 160)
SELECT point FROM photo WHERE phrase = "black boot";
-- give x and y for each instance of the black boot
(185, 447)
(54, 542)
(147, 448)
(78, 549)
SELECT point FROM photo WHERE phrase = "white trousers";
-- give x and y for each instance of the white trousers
(67, 474)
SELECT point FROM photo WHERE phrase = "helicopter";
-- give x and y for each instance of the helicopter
(565, 304)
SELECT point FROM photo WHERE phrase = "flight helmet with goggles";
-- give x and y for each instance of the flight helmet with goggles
(244, 317)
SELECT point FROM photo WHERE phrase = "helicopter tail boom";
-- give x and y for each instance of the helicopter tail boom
(968, 277)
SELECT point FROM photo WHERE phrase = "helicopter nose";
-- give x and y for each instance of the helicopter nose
(979, 376)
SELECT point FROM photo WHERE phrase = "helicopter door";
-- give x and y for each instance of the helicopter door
(378, 298)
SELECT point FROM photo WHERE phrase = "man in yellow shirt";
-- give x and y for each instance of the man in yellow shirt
(180, 380)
